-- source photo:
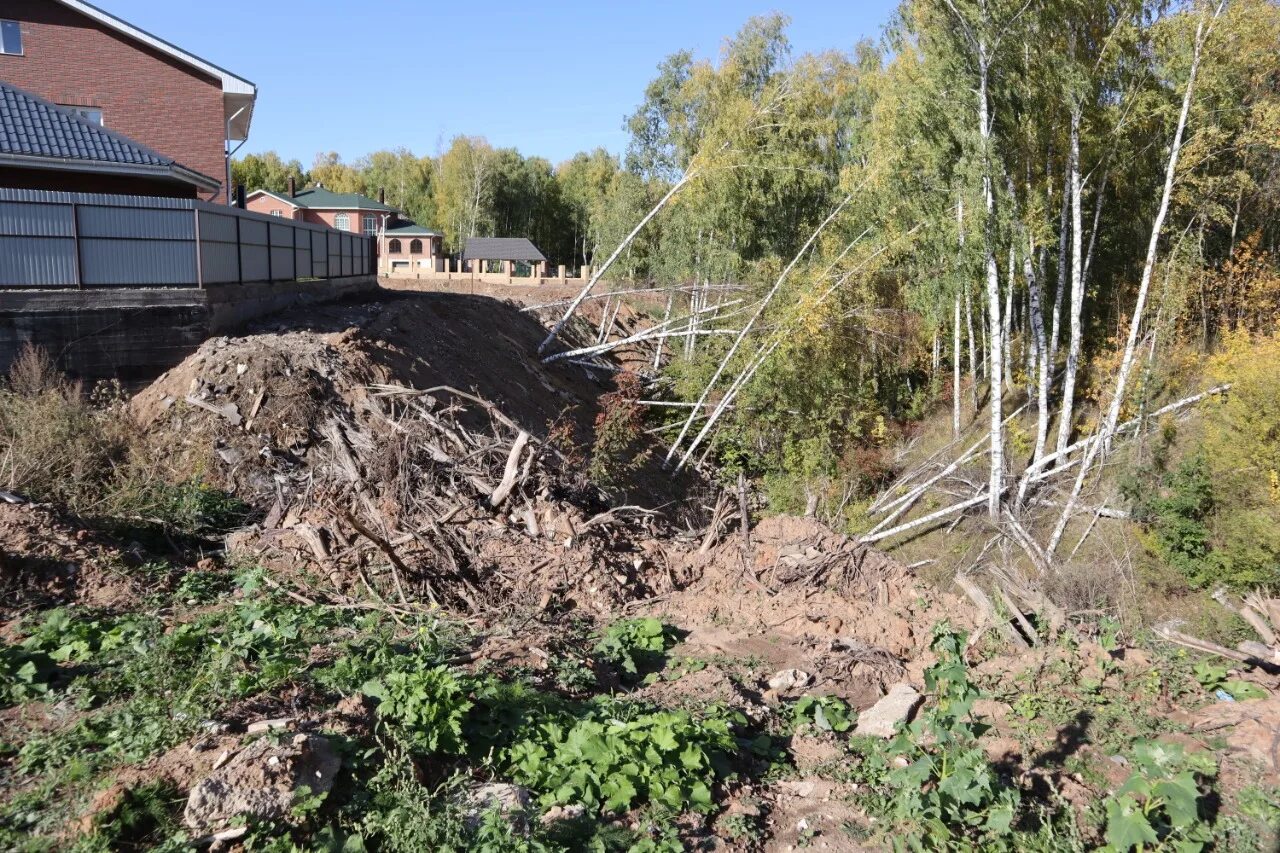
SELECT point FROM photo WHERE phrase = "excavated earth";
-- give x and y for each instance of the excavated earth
(415, 449)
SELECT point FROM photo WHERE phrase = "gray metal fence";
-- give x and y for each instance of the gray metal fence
(82, 240)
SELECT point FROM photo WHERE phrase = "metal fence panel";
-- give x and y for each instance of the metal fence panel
(36, 220)
(113, 262)
(217, 226)
(253, 232)
(319, 255)
(63, 239)
(302, 253)
(282, 263)
(136, 223)
(220, 262)
(253, 262)
(42, 262)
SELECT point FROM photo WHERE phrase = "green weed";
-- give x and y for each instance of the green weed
(636, 646)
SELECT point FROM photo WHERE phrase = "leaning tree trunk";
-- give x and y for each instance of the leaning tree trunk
(1148, 266)
(973, 347)
(1107, 431)
(1041, 355)
(1008, 319)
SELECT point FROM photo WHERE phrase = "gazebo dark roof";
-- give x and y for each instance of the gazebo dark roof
(501, 249)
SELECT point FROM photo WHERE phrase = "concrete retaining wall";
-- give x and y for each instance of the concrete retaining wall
(136, 334)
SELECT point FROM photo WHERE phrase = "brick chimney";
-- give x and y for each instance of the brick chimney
(382, 195)
(293, 187)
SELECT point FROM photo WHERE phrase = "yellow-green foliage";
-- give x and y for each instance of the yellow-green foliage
(1242, 449)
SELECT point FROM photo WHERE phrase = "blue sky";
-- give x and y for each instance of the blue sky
(549, 78)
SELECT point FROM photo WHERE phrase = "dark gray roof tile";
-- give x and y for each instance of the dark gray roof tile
(501, 249)
(30, 126)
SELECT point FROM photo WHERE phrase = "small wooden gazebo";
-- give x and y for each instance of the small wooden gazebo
(479, 251)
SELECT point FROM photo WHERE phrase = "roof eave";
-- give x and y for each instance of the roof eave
(174, 171)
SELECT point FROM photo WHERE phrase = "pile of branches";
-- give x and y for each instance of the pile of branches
(405, 507)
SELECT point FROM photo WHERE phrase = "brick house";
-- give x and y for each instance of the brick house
(407, 247)
(45, 147)
(402, 245)
(344, 211)
(128, 81)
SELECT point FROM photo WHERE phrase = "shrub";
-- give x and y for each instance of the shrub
(1242, 447)
(933, 780)
(54, 444)
(619, 432)
(24, 674)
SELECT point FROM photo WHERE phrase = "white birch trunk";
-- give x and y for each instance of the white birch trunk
(1064, 266)
(1107, 431)
(995, 351)
(1041, 354)
(666, 318)
(1008, 318)
(1076, 308)
(955, 370)
(1148, 266)
(595, 277)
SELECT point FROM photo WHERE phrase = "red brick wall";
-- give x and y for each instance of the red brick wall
(355, 218)
(430, 246)
(266, 204)
(70, 59)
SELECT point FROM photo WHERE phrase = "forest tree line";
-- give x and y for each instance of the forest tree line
(1056, 203)
(473, 189)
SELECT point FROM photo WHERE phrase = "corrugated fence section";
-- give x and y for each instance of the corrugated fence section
(81, 240)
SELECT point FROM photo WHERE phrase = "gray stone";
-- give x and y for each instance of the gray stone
(511, 801)
(790, 679)
(263, 780)
(895, 707)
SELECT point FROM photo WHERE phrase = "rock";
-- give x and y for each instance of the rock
(882, 718)
(268, 725)
(557, 814)
(790, 679)
(229, 455)
(263, 781)
(511, 801)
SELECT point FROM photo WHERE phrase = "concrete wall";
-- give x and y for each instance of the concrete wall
(136, 334)
(70, 59)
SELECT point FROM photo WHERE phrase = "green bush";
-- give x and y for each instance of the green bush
(1178, 512)
(946, 795)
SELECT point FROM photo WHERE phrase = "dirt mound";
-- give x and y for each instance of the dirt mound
(402, 449)
(250, 409)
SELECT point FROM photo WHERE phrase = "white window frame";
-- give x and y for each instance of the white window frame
(279, 213)
(342, 222)
(17, 27)
(370, 225)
